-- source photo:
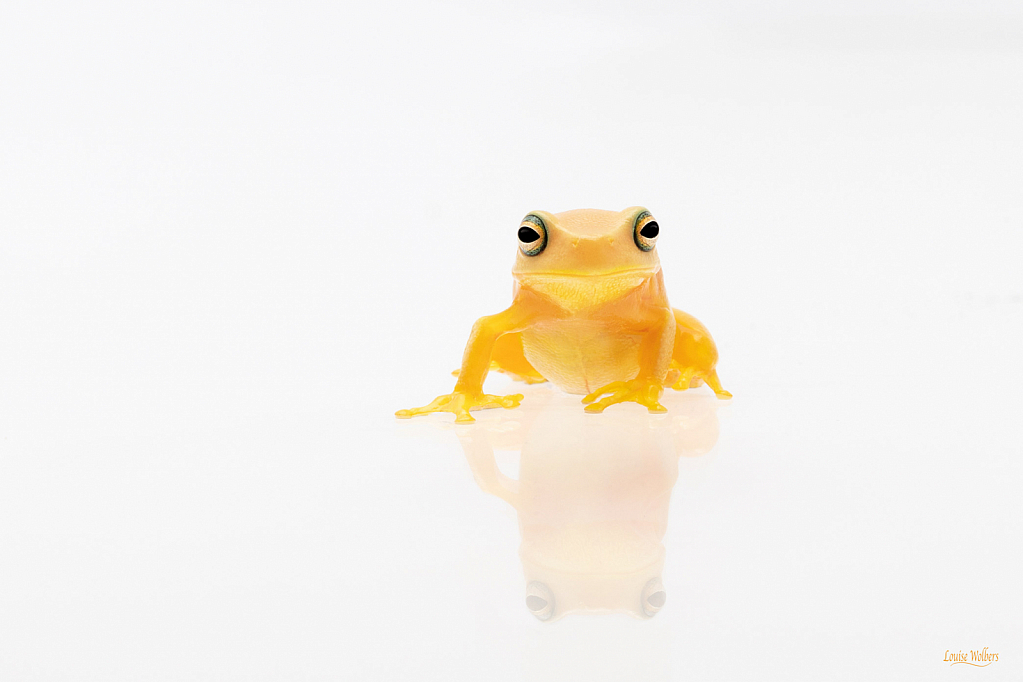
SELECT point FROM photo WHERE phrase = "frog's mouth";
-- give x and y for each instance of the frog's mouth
(584, 290)
(644, 271)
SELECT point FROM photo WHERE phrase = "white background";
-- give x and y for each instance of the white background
(234, 238)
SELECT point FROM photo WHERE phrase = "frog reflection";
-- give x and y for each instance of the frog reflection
(592, 498)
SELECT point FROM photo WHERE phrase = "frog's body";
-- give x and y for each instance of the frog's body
(590, 314)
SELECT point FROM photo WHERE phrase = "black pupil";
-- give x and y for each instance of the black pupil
(650, 230)
(535, 603)
(528, 235)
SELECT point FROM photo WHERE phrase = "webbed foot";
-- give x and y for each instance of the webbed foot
(691, 377)
(459, 404)
(646, 392)
(687, 377)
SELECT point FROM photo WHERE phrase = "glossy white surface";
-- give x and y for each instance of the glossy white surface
(236, 239)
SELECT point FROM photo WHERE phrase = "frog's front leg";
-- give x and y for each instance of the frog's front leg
(468, 393)
(658, 328)
(508, 357)
(479, 453)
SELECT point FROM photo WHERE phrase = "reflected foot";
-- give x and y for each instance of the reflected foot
(459, 404)
(646, 392)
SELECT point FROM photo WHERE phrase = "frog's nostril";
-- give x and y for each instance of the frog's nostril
(528, 235)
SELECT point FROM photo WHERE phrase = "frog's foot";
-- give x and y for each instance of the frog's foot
(715, 384)
(494, 367)
(459, 404)
(646, 392)
(686, 377)
(682, 378)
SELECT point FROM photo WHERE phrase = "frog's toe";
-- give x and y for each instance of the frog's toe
(715, 385)
(646, 393)
(604, 403)
(438, 404)
(459, 404)
(648, 398)
(488, 402)
(613, 387)
(414, 412)
(685, 379)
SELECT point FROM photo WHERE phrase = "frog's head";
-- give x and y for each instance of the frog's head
(587, 242)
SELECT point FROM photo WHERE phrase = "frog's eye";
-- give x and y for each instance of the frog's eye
(652, 598)
(646, 231)
(532, 235)
(540, 600)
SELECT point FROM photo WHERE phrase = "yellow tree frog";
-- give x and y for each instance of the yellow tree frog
(590, 314)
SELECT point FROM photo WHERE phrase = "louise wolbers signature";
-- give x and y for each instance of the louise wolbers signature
(978, 658)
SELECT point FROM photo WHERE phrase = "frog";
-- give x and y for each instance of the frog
(589, 314)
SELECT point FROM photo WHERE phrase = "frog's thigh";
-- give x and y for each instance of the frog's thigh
(693, 345)
(510, 357)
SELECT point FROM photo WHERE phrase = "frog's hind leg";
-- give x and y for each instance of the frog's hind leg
(509, 358)
(694, 356)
